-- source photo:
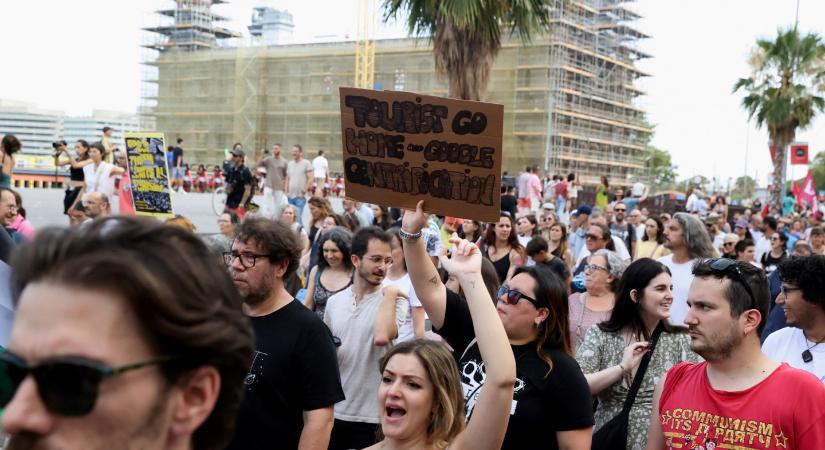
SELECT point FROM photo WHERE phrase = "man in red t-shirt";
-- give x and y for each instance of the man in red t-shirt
(738, 398)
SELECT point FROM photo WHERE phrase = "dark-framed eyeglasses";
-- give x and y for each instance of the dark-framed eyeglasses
(68, 386)
(378, 259)
(724, 266)
(247, 259)
(592, 237)
(787, 289)
(512, 296)
(594, 267)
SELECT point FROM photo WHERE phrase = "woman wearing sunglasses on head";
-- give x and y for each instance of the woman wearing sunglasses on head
(420, 397)
(551, 402)
(612, 352)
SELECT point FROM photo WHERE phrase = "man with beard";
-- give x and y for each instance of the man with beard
(293, 382)
(128, 335)
(689, 241)
(366, 319)
(737, 397)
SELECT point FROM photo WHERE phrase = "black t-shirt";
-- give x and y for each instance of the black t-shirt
(295, 369)
(238, 178)
(509, 203)
(177, 155)
(558, 267)
(541, 406)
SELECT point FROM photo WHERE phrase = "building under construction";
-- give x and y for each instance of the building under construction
(569, 96)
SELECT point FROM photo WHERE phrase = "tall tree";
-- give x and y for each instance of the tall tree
(660, 169)
(466, 34)
(781, 93)
(743, 188)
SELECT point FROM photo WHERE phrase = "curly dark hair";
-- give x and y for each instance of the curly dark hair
(808, 274)
(184, 301)
(273, 238)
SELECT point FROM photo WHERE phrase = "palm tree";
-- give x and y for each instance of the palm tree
(781, 94)
(466, 34)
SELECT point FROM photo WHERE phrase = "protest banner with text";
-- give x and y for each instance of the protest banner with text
(401, 147)
(149, 174)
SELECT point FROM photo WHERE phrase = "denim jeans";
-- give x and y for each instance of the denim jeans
(298, 203)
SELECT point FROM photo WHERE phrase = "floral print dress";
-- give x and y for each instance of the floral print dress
(601, 350)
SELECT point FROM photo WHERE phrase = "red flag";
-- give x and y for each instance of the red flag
(773, 150)
(796, 193)
(799, 153)
(808, 191)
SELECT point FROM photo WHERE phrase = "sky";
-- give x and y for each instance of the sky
(81, 55)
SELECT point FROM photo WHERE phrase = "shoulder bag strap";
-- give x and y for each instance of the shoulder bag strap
(655, 249)
(468, 348)
(640, 374)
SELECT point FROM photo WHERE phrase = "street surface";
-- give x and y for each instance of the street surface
(44, 207)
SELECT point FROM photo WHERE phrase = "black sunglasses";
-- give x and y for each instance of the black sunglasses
(512, 296)
(723, 266)
(67, 386)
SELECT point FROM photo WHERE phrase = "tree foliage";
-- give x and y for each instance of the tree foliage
(660, 169)
(467, 34)
(744, 187)
(781, 93)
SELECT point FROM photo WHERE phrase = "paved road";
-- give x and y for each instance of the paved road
(44, 207)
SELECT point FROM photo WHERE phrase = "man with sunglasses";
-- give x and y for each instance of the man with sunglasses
(366, 318)
(802, 298)
(738, 397)
(293, 382)
(622, 229)
(128, 335)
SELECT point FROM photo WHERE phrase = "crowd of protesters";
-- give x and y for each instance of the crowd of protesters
(561, 325)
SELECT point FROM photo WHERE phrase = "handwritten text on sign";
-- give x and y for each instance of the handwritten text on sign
(149, 174)
(401, 147)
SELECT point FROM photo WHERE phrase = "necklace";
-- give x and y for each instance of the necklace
(806, 355)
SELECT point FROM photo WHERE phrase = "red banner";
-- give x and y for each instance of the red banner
(799, 153)
(808, 191)
(773, 151)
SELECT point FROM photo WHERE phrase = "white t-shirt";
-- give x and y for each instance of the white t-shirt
(718, 240)
(404, 284)
(762, 246)
(523, 185)
(682, 277)
(787, 345)
(641, 229)
(638, 189)
(99, 179)
(320, 165)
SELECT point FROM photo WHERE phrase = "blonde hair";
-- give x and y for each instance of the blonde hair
(182, 222)
(448, 399)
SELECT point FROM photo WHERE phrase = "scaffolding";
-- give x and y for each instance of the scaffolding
(595, 127)
(570, 96)
(181, 26)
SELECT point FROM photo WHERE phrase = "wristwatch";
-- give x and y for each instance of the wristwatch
(408, 236)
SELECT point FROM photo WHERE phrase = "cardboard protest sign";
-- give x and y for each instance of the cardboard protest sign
(401, 147)
(149, 174)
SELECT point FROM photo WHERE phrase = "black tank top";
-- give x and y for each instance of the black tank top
(76, 174)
